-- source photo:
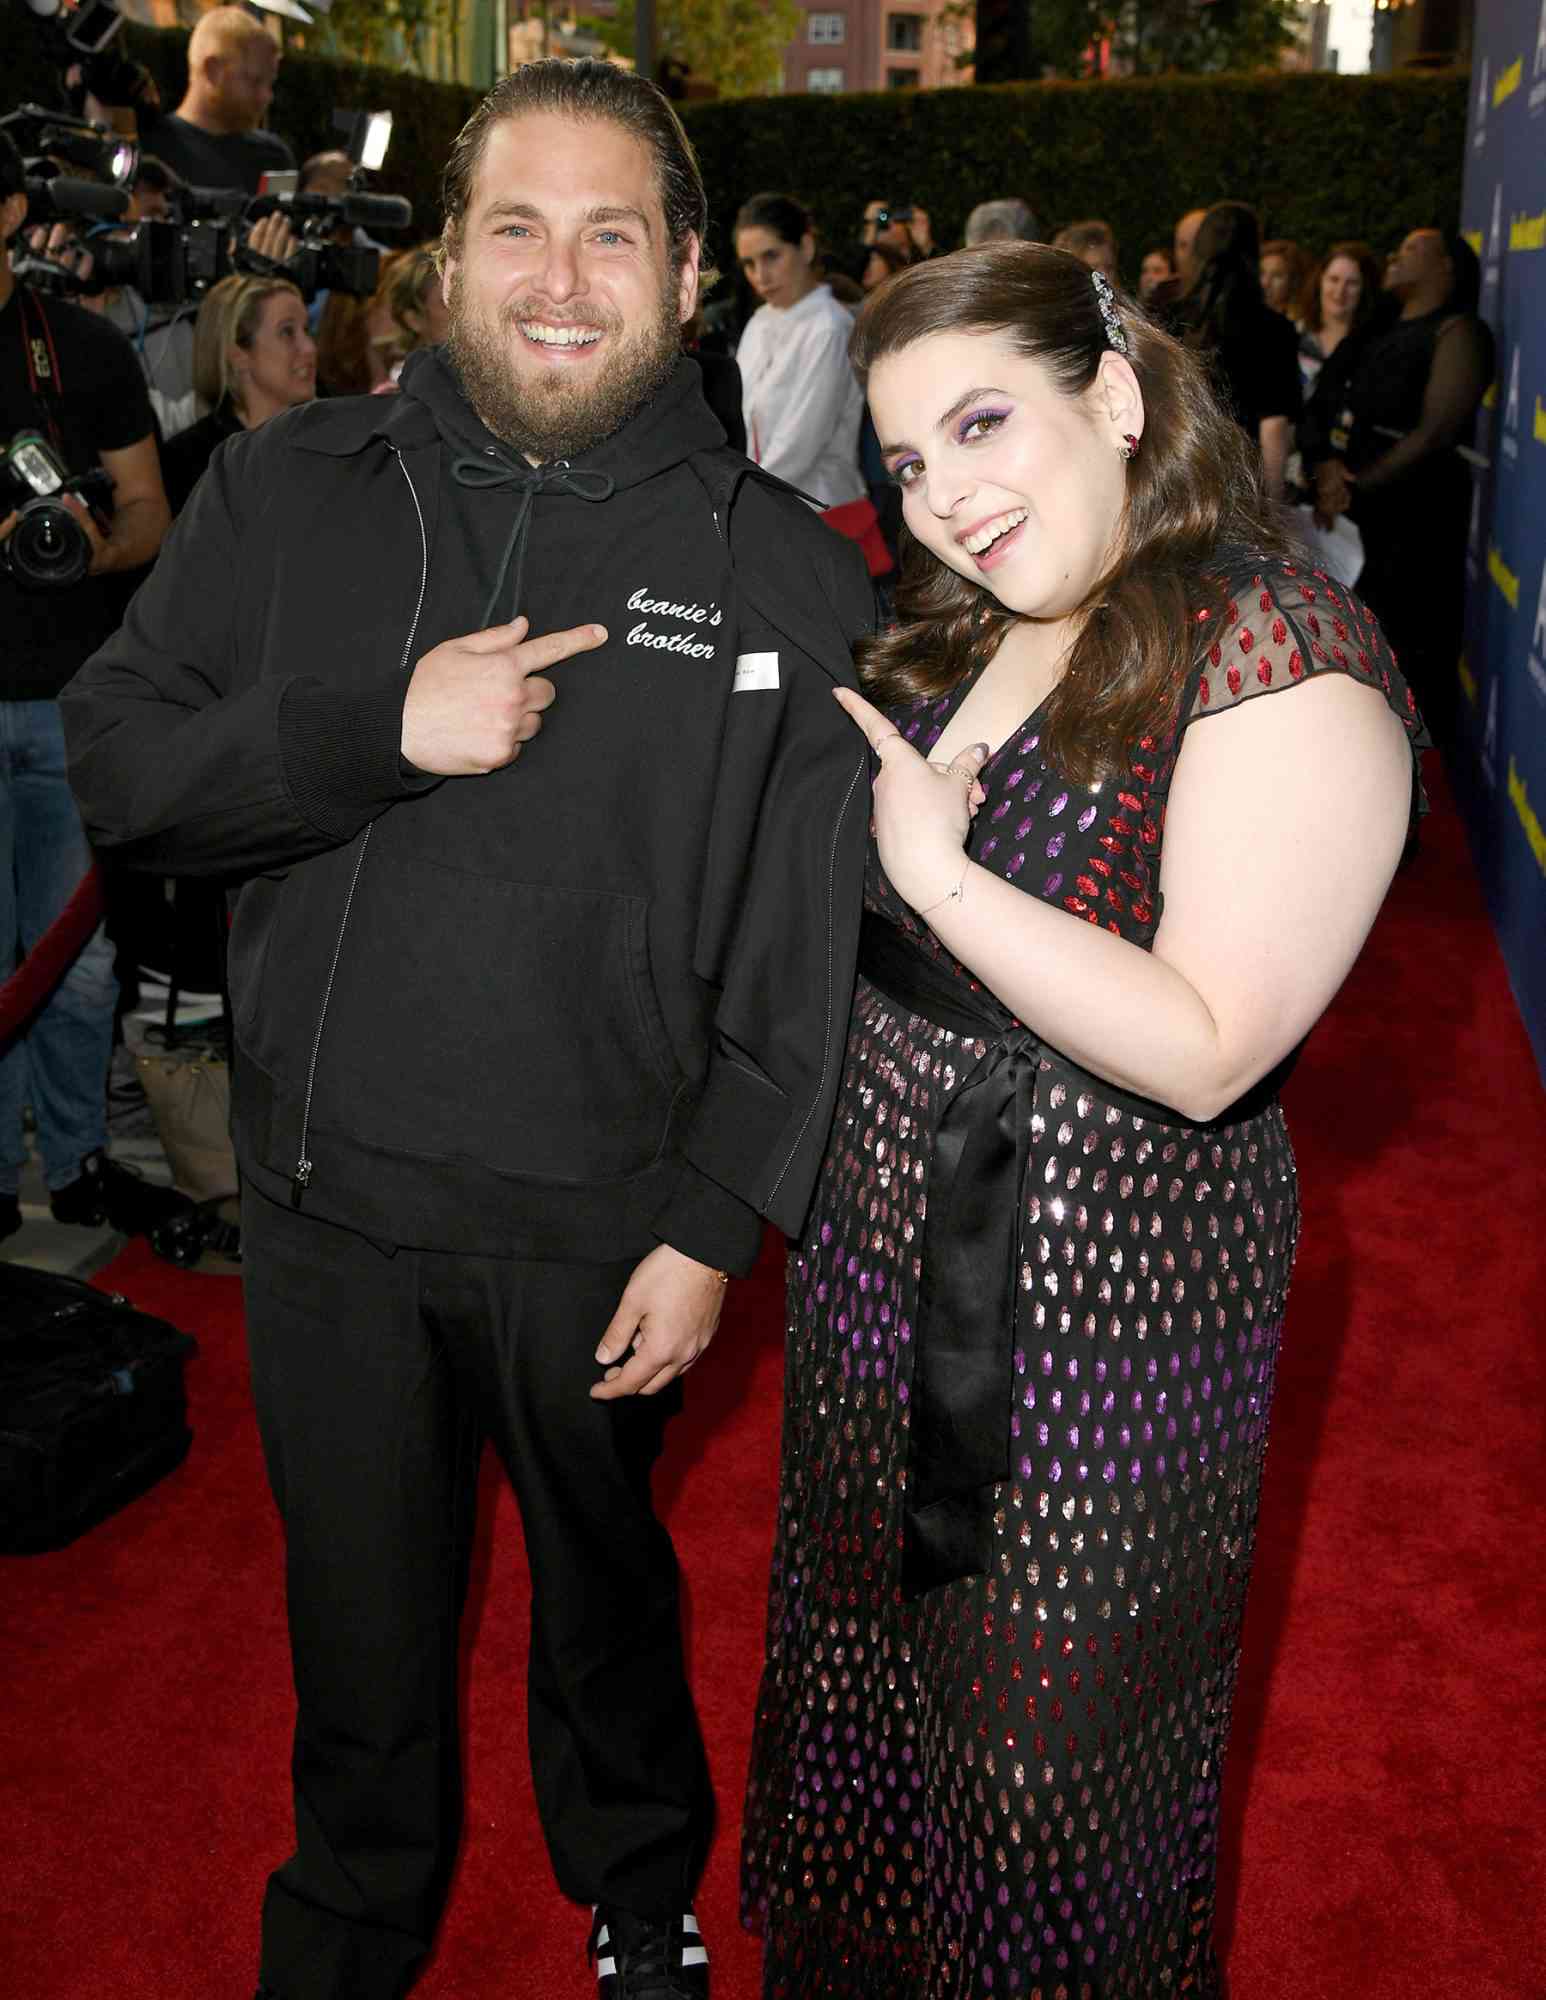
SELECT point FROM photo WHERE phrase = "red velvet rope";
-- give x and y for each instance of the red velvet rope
(29, 986)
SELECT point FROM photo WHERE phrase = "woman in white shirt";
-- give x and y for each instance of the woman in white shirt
(801, 399)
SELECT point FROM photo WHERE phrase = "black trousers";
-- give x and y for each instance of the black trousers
(377, 1377)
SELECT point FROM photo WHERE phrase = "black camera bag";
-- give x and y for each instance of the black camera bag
(92, 1406)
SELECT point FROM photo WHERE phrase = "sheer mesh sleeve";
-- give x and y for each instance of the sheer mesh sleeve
(1282, 627)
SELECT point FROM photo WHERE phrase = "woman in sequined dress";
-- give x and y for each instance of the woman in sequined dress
(1034, 1316)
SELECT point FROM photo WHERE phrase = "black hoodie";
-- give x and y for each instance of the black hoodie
(581, 1004)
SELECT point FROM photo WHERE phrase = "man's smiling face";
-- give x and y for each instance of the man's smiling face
(565, 300)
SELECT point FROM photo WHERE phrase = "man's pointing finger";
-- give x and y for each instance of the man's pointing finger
(536, 655)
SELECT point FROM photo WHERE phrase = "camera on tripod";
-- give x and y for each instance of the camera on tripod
(48, 548)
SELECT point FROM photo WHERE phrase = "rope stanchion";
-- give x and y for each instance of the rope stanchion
(29, 986)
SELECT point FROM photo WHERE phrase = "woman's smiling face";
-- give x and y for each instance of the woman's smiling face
(1007, 479)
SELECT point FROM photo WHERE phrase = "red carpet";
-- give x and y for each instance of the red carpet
(1387, 1779)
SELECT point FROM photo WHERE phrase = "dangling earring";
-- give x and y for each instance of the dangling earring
(1127, 450)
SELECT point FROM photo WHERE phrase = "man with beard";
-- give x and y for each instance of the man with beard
(534, 1011)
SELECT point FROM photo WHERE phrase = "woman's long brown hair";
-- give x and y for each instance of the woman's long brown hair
(1194, 505)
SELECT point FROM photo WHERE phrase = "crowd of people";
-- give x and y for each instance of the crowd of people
(553, 983)
(1355, 381)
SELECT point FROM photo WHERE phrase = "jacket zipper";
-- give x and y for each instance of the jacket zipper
(302, 1177)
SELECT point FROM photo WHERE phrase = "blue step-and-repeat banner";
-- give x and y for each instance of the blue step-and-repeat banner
(1502, 761)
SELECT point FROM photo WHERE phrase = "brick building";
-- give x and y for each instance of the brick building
(879, 45)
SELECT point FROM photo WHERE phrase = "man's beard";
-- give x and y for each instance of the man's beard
(547, 415)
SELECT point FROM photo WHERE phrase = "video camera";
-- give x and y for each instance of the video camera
(52, 142)
(48, 549)
(319, 264)
(174, 263)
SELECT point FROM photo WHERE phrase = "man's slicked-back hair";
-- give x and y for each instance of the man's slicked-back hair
(586, 89)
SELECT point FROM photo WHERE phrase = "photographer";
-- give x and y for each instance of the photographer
(213, 138)
(70, 379)
(160, 332)
(902, 225)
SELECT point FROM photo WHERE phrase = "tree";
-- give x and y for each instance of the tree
(1193, 36)
(736, 45)
(1145, 37)
(387, 32)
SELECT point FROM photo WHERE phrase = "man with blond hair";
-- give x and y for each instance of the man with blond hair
(213, 138)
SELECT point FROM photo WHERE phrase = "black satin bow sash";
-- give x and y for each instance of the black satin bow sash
(963, 1337)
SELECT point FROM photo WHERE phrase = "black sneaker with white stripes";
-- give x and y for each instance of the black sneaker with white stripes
(640, 1958)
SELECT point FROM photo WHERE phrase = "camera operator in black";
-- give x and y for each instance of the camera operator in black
(214, 138)
(71, 378)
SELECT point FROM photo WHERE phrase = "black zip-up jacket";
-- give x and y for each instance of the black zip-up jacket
(589, 1002)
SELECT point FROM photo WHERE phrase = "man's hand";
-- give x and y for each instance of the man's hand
(668, 1314)
(61, 246)
(473, 702)
(273, 237)
(918, 229)
(99, 552)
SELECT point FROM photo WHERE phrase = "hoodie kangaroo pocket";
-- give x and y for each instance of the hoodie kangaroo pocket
(499, 1022)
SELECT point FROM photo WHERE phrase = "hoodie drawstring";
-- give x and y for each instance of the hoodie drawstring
(492, 472)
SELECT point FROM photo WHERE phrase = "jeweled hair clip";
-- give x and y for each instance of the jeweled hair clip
(1106, 299)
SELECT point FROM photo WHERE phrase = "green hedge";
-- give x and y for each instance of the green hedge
(1321, 157)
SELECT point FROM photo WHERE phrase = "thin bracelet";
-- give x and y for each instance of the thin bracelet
(955, 895)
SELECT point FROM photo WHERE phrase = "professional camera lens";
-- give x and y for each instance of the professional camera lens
(48, 549)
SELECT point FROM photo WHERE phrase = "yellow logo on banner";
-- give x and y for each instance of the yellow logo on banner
(1519, 799)
(1467, 680)
(1474, 238)
(1527, 232)
(1508, 82)
(1504, 578)
(1540, 421)
(1490, 400)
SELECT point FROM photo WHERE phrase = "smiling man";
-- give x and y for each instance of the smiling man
(506, 704)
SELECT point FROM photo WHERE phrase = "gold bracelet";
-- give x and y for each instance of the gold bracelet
(955, 895)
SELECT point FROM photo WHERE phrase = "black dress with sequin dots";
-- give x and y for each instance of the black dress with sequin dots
(1009, 1784)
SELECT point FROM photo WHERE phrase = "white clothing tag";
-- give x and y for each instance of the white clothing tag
(753, 671)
